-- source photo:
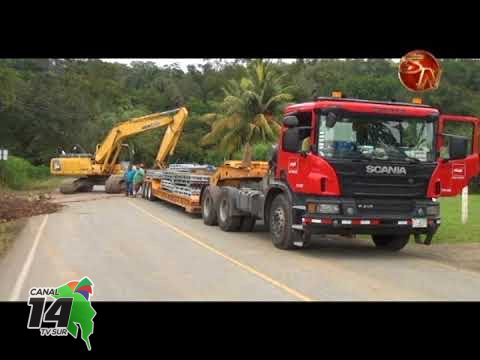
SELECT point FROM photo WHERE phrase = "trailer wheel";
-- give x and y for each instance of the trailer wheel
(390, 242)
(145, 190)
(247, 223)
(225, 205)
(150, 195)
(280, 221)
(209, 213)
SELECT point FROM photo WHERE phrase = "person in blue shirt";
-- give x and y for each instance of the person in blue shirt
(129, 179)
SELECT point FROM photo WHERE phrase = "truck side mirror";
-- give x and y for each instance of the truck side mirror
(291, 140)
(457, 147)
(290, 121)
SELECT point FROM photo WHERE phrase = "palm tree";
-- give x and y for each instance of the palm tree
(246, 114)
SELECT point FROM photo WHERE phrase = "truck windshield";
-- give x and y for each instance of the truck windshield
(409, 139)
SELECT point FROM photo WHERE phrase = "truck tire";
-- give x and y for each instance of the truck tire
(224, 209)
(390, 242)
(150, 195)
(247, 223)
(280, 224)
(145, 190)
(209, 212)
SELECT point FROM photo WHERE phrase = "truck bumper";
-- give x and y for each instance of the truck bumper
(349, 226)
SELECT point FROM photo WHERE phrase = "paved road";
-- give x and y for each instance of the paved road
(133, 249)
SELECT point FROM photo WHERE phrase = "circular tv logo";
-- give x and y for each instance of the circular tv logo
(419, 71)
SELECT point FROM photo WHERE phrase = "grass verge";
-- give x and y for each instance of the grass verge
(452, 230)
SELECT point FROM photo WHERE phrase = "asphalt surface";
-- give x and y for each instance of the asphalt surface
(133, 249)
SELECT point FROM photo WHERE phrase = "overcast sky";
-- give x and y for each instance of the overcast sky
(182, 62)
(160, 62)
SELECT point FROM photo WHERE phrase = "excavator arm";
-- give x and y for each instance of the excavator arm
(107, 153)
(171, 137)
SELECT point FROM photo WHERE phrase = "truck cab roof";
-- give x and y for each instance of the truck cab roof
(367, 106)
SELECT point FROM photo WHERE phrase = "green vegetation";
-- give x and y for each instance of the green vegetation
(248, 110)
(19, 174)
(452, 230)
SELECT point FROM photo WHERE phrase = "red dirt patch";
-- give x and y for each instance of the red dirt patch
(15, 207)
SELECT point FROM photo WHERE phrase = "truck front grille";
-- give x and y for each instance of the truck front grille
(354, 182)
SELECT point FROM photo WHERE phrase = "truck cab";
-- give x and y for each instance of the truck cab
(350, 166)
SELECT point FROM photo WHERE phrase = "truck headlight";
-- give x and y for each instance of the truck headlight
(328, 208)
(433, 210)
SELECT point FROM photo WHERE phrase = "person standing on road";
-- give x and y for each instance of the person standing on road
(128, 176)
(138, 179)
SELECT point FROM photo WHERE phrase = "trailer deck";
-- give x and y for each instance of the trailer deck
(179, 184)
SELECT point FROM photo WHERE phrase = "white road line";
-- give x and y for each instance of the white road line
(28, 263)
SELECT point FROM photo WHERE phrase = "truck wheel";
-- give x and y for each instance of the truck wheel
(225, 205)
(247, 223)
(390, 242)
(145, 191)
(283, 236)
(150, 195)
(209, 213)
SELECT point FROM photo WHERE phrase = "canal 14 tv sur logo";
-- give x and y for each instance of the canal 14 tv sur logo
(64, 310)
(52, 321)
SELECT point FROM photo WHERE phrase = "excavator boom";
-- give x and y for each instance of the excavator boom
(171, 137)
(107, 153)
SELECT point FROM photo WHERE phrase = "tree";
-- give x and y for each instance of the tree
(247, 113)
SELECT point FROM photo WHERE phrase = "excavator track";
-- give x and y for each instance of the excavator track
(115, 184)
(77, 185)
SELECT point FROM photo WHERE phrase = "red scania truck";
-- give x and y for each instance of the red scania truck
(348, 166)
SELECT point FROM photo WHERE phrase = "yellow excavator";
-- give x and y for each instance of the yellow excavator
(103, 167)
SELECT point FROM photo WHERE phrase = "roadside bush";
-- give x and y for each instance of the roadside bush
(260, 152)
(17, 173)
(475, 185)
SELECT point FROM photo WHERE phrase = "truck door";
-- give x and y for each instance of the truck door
(453, 175)
(294, 165)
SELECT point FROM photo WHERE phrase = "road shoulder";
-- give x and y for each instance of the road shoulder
(462, 256)
(11, 264)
